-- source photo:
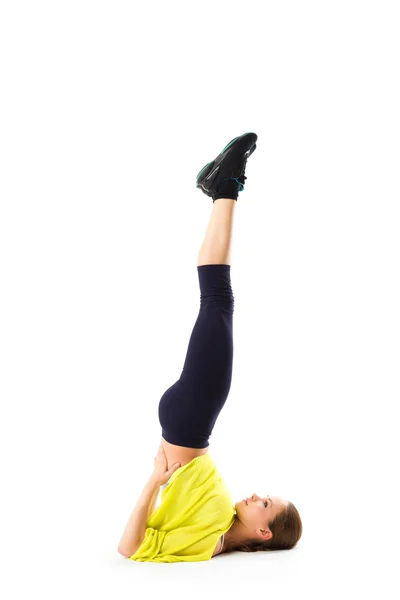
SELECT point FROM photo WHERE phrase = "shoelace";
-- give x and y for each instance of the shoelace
(242, 177)
(241, 182)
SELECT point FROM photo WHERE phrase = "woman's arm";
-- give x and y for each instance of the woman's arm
(135, 529)
(153, 502)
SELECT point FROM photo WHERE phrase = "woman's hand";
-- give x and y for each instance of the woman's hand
(161, 474)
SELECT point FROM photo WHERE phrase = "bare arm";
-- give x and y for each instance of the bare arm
(152, 505)
(135, 529)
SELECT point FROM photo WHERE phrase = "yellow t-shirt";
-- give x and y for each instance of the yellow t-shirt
(195, 510)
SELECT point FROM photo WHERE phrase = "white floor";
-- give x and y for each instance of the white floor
(311, 571)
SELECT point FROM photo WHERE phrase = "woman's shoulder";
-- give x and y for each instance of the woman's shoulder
(218, 547)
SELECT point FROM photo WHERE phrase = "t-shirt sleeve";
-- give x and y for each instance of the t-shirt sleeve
(151, 545)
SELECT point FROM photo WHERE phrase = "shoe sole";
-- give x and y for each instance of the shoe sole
(206, 172)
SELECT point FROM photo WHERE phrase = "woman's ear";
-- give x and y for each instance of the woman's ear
(265, 534)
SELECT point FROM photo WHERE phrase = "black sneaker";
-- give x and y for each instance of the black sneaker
(229, 164)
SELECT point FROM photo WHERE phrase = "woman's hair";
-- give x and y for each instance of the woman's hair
(286, 531)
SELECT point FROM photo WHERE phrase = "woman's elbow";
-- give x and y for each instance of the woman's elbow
(123, 552)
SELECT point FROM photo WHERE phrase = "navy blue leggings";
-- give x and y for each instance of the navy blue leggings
(189, 408)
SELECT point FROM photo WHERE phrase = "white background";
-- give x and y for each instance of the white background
(108, 112)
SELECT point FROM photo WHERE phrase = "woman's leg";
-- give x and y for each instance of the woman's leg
(189, 409)
(216, 246)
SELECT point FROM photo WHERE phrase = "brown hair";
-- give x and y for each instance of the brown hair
(286, 531)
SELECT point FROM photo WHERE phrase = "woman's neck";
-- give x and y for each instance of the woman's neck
(236, 534)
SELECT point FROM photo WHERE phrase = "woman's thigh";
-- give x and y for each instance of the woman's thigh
(188, 409)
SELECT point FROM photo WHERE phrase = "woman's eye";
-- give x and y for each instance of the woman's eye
(265, 503)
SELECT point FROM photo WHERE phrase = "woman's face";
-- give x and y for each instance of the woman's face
(254, 509)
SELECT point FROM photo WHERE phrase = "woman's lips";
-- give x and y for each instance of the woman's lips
(245, 501)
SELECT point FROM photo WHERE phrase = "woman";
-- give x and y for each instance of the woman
(196, 519)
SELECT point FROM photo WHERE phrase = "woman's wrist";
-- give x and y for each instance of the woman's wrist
(154, 481)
